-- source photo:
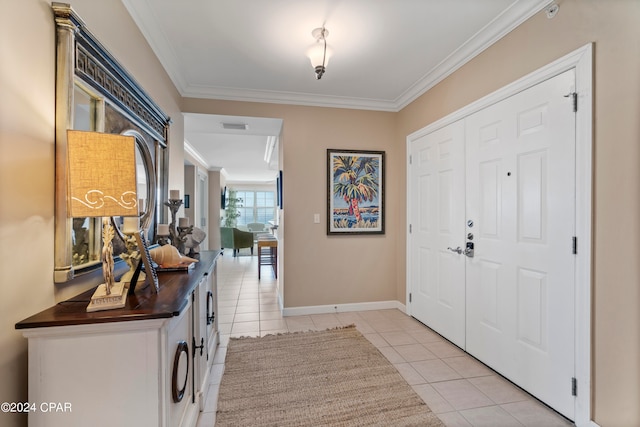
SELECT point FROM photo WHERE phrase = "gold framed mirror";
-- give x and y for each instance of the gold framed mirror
(95, 93)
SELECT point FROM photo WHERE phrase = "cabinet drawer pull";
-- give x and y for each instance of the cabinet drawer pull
(178, 362)
(210, 314)
(195, 347)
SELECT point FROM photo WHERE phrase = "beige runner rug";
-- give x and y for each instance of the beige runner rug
(326, 378)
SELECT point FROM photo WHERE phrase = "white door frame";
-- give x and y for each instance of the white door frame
(581, 60)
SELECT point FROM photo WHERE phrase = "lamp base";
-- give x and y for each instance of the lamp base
(101, 301)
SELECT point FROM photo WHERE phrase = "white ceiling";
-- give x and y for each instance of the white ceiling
(386, 53)
(240, 154)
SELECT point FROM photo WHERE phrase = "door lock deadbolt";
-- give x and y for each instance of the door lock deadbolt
(468, 251)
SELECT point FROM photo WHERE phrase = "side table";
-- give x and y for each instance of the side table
(268, 253)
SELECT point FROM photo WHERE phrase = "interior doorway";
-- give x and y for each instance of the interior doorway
(243, 154)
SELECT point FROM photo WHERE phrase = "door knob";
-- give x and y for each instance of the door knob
(457, 250)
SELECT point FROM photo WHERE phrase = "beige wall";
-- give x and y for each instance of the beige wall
(614, 27)
(320, 269)
(216, 183)
(26, 188)
(189, 185)
(27, 167)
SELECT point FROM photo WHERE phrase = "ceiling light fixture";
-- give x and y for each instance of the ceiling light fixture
(271, 145)
(319, 53)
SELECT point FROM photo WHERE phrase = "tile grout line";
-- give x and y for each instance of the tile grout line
(373, 320)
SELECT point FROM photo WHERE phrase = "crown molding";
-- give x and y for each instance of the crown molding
(190, 150)
(138, 9)
(292, 98)
(507, 21)
(502, 25)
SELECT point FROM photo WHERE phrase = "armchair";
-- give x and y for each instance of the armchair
(256, 227)
(235, 239)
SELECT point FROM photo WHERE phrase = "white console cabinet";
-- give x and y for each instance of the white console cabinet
(144, 365)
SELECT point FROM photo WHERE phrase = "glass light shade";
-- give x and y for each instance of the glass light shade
(316, 53)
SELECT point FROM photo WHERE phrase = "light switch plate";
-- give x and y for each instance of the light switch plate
(316, 218)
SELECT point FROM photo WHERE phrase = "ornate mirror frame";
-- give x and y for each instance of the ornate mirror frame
(119, 105)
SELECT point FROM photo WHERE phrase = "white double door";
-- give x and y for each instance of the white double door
(503, 181)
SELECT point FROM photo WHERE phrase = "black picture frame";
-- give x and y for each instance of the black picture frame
(150, 272)
(223, 198)
(279, 189)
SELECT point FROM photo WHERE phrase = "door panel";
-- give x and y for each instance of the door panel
(520, 193)
(438, 274)
(512, 304)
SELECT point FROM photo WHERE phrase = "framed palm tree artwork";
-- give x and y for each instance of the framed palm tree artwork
(355, 192)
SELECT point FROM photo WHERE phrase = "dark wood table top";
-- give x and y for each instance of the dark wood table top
(145, 304)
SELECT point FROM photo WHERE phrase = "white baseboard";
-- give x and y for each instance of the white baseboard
(280, 302)
(341, 308)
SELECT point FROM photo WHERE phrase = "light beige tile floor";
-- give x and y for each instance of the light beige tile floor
(458, 388)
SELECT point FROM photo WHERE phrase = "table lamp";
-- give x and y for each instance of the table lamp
(101, 182)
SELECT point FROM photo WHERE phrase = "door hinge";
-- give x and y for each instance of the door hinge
(574, 386)
(410, 159)
(410, 228)
(574, 100)
(409, 296)
(574, 245)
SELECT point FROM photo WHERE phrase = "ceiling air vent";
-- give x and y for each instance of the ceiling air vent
(235, 126)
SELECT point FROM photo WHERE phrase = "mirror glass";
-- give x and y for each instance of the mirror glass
(83, 110)
(147, 184)
(141, 176)
(85, 237)
(146, 187)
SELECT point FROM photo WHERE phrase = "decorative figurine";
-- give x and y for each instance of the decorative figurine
(132, 257)
(177, 234)
(193, 241)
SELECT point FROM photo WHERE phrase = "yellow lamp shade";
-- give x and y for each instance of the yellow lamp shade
(101, 177)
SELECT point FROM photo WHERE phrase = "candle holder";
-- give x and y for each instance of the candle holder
(163, 240)
(177, 234)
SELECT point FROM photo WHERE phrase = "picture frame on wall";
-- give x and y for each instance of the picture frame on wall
(355, 192)
(223, 198)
